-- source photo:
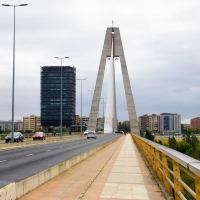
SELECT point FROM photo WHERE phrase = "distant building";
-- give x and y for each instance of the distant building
(154, 123)
(50, 100)
(186, 126)
(165, 123)
(100, 124)
(31, 123)
(170, 123)
(143, 123)
(7, 125)
(195, 123)
(149, 122)
(77, 119)
(85, 120)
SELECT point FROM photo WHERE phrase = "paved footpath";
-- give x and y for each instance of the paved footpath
(115, 172)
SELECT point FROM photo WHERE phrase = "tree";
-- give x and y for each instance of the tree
(191, 139)
(149, 136)
(173, 143)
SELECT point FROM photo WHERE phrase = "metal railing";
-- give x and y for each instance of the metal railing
(178, 172)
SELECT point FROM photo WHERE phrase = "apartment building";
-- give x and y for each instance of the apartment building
(7, 125)
(149, 122)
(85, 120)
(186, 126)
(165, 123)
(154, 123)
(195, 123)
(31, 123)
(144, 123)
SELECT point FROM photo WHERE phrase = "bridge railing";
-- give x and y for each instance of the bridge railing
(178, 172)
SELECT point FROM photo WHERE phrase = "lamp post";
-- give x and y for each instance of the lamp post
(61, 86)
(13, 82)
(81, 100)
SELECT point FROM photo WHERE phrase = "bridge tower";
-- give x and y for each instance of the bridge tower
(112, 48)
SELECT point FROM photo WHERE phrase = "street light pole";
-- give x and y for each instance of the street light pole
(61, 89)
(81, 102)
(13, 82)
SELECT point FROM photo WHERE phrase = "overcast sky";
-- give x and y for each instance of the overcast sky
(161, 41)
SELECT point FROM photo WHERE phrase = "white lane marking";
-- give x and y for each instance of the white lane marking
(3, 160)
(70, 145)
(48, 150)
(30, 154)
(61, 147)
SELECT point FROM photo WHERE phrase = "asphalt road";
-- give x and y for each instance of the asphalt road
(20, 163)
(31, 139)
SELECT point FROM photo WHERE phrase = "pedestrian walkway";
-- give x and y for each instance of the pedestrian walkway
(116, 172)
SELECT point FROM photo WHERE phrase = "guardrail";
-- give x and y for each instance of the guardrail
(178, 172)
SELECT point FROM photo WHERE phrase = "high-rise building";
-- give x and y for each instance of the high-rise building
(50, 97)
(195, 123)
(31, 123)
(170, 123)
(149, 122)
(143, 123)
(154, 123)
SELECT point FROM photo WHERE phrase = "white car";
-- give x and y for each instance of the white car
(91, 134)
(85, 133)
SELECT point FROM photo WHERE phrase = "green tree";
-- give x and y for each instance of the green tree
(149, 136)
(120, 126)
(183, 146)
(173, 143)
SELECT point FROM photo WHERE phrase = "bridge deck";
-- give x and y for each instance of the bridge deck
(116, 172)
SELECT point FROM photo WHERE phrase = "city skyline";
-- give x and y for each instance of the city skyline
(160, 40)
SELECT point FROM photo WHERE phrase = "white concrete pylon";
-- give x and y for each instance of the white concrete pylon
(117, 52)
(110, 124)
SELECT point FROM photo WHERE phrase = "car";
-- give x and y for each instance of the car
(39, 136)
(18, 137)
(122, 132)
(85, 133)
(91, 134)
(99, 132)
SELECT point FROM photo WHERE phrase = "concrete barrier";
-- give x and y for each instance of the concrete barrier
(17, 190)
(8, 192)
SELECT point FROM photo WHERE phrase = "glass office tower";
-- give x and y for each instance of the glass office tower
(50, 96)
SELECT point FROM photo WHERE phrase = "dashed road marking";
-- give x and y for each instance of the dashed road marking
(49, 150)
(30, 154)
(3, 160)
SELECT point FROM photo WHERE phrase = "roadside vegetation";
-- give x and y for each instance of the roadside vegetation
(188, 144)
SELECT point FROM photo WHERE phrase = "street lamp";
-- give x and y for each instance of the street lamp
(61, 86)
(13, 83)
(81, 101)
